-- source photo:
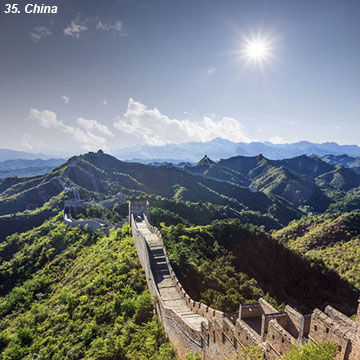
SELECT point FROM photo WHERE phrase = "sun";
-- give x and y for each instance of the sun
(256, 50)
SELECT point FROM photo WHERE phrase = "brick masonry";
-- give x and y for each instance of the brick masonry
(195, 327)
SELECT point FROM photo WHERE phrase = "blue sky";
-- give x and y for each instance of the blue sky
(119, 73)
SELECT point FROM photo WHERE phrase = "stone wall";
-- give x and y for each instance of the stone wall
(250, 310)
(257, 324)
(185, 339)
(139, 208)
(323, 328)
(93, 225)
(119, 198)
(279, 341)
(280, 318)
(298, 325)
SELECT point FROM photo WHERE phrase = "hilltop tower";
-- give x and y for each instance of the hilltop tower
(138, 208)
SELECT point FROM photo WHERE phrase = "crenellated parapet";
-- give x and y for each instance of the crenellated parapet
(333, 326)
(195, 327)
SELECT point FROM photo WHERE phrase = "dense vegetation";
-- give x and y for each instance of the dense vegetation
(103, 173)
(310, 351)
(28, 219)
(173, 212)
(333, 239)
(114, 215)
(87, 300)
(288, 187)
(28, 199)
(307, 182)
(249, 353)
(227, 262)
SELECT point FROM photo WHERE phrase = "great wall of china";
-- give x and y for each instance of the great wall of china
(94, 225)
(194, 327)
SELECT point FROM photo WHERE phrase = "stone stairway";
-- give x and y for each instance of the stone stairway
(170, 296)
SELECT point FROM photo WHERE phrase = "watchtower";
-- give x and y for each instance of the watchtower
(138, 208)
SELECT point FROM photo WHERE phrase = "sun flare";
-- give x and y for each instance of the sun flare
(257, 50)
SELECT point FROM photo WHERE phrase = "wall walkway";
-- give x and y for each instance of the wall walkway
(195, 327)
(165, 283)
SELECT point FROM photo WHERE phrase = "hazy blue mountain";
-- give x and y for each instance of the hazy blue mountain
(344, 160)
(26, 168)
(6, 154)
(221, 148)
(190, 151)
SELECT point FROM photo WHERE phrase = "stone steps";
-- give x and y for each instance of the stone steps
(165, 284)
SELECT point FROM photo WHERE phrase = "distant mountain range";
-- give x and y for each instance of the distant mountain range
(221, 149)
(216, 149)
(283, 189)
(25, 168)
(344, 160)
(7, 154)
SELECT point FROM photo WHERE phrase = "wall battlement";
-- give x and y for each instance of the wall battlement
(195, 327)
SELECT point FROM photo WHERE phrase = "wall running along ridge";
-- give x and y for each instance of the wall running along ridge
(195, 327)
(94, 225)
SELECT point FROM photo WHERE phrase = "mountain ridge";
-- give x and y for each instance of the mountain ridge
(222, 148)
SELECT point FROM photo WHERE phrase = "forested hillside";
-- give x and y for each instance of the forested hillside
(227, 263)
(67, 294)
(307, 182)
(285, 189)
(333, 239)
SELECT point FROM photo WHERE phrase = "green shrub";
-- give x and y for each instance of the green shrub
(310, 351)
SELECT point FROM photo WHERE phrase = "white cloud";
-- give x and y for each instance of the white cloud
(277, 140)
(105, 102)
(89, 140)
(211, 71)
(154, 128)
(94, 125)
(78, 25)
(84, 134)
(46, 118)
(116, 27)
(66, 99)
(39, 33)
(75, 28)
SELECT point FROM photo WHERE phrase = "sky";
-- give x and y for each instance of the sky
(111, 74)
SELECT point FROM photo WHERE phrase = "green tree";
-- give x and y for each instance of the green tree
(310, 351)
